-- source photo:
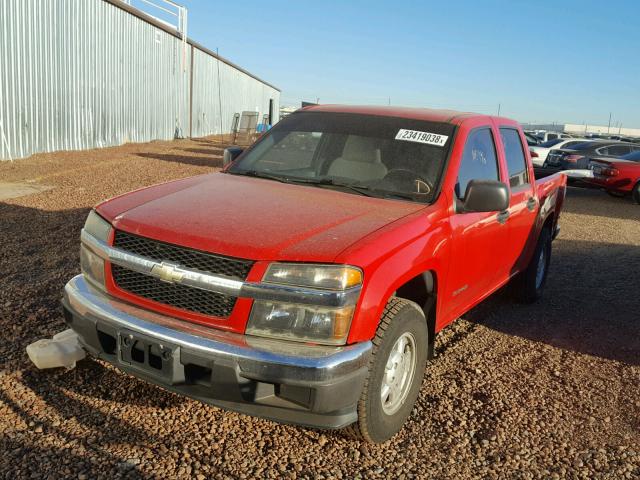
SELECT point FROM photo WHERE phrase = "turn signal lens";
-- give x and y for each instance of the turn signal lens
(97, 226)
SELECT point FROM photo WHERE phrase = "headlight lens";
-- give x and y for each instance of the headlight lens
(333, 277)
(91, 264)
(308, 323)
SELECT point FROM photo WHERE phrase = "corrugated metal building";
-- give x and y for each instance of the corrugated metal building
(78, 74)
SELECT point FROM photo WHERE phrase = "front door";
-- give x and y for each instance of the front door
(479, 240)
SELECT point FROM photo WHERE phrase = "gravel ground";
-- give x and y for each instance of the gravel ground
(543, 391)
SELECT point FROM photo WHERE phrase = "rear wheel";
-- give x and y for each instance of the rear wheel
(635, 194)
(530, 283)
(396, 370)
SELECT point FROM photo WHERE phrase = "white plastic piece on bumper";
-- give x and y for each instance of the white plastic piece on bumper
(63, 350)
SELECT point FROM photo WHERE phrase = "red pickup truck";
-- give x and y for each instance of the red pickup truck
(307, 281)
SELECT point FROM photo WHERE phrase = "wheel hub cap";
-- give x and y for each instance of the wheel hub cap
(398, 374)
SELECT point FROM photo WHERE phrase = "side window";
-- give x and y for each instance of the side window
(516, 163)
(618, 150)
(479, 160)
(571, 144)
(552, 136)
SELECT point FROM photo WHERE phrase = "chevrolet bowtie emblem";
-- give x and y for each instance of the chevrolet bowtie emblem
(167, 272)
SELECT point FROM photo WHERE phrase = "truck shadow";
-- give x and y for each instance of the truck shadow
(33, 429)
(591, 303)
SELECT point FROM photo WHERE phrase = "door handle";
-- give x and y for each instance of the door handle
(531, 204)
(503, 216)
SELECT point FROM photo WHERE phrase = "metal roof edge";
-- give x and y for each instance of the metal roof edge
(172, 31)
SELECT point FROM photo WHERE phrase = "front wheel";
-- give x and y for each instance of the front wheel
(396, 370)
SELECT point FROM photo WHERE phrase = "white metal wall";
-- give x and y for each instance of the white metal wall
(78, 74)
(212, 109)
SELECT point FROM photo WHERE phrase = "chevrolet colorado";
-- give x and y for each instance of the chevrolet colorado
(306, 282)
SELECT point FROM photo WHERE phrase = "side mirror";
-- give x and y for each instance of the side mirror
(486, 196)
(230, 154)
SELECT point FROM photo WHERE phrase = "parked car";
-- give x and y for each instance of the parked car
(578, 156)
(539, 152)
(544, 136)
(307, 281)
(619, 176)
(531, 139)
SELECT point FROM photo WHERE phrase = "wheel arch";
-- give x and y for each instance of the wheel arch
(422, 290)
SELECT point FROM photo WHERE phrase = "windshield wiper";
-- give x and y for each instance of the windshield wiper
(256, 174)
(362, 190)
(328, 182)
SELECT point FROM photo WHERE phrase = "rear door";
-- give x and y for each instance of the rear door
(523, 205)
(478, 239)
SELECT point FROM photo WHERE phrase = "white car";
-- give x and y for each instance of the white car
(539, 152)
(545, 136)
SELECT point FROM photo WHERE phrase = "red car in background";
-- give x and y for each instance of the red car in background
(619, 177)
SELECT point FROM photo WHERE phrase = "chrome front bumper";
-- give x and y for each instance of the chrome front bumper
(285, 381)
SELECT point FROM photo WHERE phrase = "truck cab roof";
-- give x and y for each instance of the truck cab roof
(426, 114)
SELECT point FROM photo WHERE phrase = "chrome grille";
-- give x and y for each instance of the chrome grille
(174, 294)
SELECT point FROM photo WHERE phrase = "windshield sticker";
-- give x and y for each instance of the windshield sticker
(422, 137)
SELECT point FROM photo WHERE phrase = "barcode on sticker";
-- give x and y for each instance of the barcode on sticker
(422, 137)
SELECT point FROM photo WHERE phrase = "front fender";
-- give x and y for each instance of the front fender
(427, 252)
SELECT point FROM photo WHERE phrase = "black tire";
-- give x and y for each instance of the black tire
(635, 194)
(374, 424)
(528, 288)
(613, 193)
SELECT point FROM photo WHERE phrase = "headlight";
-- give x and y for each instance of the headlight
(306, 323)
(333, 277)
(92, 265)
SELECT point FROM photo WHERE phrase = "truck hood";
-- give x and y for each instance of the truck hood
(253, 218)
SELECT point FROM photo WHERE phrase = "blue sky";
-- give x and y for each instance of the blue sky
(563, 61)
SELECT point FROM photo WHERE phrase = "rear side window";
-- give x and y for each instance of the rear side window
(617, 150)
(516, 163)
(479, 160)
(571, 144)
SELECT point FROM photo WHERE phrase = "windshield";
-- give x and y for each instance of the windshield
(362, 154)
(551, 143)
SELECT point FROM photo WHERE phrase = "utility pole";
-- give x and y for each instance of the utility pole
(609, 127)
(499, 109)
